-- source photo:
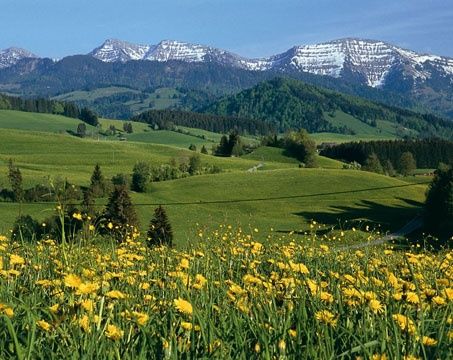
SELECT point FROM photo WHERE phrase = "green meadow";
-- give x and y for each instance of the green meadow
(279, 196)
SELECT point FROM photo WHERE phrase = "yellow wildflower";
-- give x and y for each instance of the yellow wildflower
(72, 281)
(183, 306)
(115, 294)
(326, 317)
(44, 325)
(113, 332)
(16, 260)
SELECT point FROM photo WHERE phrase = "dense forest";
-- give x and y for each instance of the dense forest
(291, 104)
(167, 119)
(428, 153)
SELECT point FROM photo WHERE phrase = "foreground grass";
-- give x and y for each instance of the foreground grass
(226, 296)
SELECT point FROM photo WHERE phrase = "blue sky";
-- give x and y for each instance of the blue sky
(253, 28)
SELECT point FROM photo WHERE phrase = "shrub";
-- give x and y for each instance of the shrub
(26, 228)
(140, 177)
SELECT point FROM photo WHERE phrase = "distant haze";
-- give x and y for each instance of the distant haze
(253, 28)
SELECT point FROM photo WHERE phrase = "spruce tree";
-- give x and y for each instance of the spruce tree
(160, 232)
(204, 150)
(439, 205)
(98, 184)
(120, 212)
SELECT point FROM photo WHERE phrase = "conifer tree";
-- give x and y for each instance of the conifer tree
(439, 205)
(160, 232)
(120, 211)
(98, 184)
(204, 150)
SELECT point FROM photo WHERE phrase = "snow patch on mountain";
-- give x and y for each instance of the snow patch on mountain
(13, 55)
(113, 50)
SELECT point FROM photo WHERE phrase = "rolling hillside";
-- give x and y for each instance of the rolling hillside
(280, 195)
(287, 104)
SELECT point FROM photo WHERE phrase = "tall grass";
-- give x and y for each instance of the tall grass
(225, 296)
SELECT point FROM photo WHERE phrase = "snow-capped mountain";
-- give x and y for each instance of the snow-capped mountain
(113, 50)
(12, 56)
(368, 61)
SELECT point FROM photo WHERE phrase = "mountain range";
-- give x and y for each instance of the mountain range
(425, 81)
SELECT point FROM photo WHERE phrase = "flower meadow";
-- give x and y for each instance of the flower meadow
(225, 295)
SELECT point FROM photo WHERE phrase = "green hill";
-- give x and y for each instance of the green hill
(286, 104)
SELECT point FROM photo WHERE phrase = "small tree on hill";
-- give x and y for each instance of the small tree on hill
(15, 179)
(301, 146)
(204, 150)
(194, 164)
(119, 214)
(439, 205)
(192, 147)
(127, 127)
(160, 232)
(81, 130)
(407, 163)
(373, 164)
(88, 116)
(140, 177)
(98, 184)
(389, 169)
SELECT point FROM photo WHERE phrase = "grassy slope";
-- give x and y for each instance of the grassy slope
(10, 119)
(40, 154)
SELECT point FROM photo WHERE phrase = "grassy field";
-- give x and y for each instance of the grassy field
(279, 196)
(10, 119)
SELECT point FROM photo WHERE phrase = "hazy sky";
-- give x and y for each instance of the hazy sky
(253, 28)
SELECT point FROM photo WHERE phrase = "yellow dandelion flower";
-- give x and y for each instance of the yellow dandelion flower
(77, 216)
(110, 225)
(5, 309)
(412, 298)
(438, 300)
(429, 341)
(113, 332)
(404, 323)
(84, 323)
(282, 345)
(16, 260)
(87, 288)
(326, 317)
(72, 281)
(183, 306)
(140, 318)
(116, 294)
(87, 305)
(54, 308)
(186, 325)
(44, 325)
(376, 306)
(292, 333)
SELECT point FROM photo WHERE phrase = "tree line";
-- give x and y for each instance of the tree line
(428, 153)
(46, 106)
(168, 119)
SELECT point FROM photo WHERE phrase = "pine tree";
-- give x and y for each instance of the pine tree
(88, 202)
(15, 179)
(120, 212)
(204, 150)
(98, 184)
(439, 205)
(160, 232)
